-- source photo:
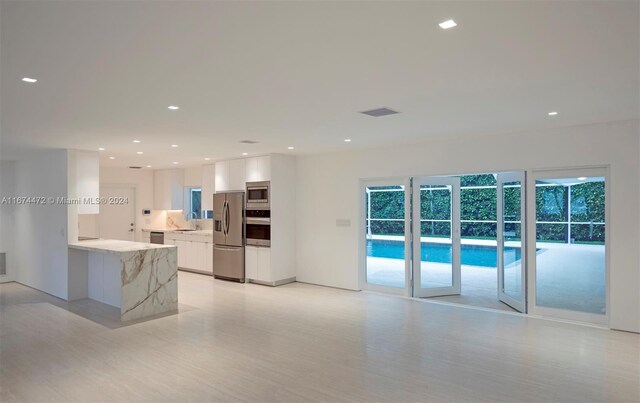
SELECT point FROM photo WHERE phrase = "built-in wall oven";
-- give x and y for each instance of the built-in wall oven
(258, 227)
(258, 194)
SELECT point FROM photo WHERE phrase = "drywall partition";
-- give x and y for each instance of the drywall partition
(327, 189)
(83, 187)
(142, 180)
(41, 229)
(7, 220)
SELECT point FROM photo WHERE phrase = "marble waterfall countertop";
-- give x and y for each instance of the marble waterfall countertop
(115, 246)
(139, 278)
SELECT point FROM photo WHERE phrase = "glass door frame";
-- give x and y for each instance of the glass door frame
(501, 179)
(532, 307)
(456, 250)
(362, 229)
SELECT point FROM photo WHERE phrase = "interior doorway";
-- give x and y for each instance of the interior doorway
(117, 216)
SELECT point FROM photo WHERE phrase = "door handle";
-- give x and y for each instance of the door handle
(224, 218)
(228, 218)
(225, 248)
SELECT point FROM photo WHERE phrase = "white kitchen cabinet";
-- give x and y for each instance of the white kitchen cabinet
(222, 176)
(264, 265)
(258, 169)
(208, 186)
(195, 251)
(193, 177)
(251, 262)
(208, 257)
(257, 265)
(236, 175)
(230, 175)
(168, 187)
(146, 237)
(183, 252)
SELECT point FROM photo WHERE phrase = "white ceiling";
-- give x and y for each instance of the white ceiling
(297, 73)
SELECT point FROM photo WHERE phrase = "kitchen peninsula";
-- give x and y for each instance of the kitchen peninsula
(139, 278)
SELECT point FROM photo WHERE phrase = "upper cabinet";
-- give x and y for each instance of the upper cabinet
(208, 186)
(258, 169)
(168, 189)
(230, 175)
(222, 176)
(193, 177)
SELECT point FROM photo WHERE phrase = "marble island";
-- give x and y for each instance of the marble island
(139, 278)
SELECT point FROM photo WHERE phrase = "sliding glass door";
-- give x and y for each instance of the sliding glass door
(570, 275)
(511, 246)
(387, 236)
(436, 236)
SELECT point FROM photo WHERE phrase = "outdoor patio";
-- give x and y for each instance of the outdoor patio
(569, 276)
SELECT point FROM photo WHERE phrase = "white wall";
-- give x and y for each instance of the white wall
(7, 223)
(328, 187)
(142, 180)
(41, 230)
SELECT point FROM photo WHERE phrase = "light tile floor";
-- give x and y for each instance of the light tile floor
(244, 342)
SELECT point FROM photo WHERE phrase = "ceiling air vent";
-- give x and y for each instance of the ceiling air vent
(380, 112)
(248, 142)
(135, 167)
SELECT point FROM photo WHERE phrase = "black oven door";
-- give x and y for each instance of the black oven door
(258, 234)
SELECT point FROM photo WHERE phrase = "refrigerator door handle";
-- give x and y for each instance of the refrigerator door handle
(228, 218)
(224, 209)
(228, 248)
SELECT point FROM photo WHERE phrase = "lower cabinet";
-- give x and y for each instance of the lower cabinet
(193, 255)
(258, 264)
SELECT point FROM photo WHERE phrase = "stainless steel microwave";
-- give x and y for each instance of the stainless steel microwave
(258, 194)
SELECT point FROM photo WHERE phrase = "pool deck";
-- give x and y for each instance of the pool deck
(569, 276)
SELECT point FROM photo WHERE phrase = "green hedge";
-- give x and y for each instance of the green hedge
(587, 205)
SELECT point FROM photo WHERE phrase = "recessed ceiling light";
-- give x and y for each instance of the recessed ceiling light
(290, 148)
(582, 178)
(136, 141)
(347, 140)
(553, 113)
(148, 166)
(175, 162)
(29, 80)
(174, 145)
(173, 108)
(207, 159)
(447, 24)
(139, 152)
(245, 153)
(112, 158)
(101, 149)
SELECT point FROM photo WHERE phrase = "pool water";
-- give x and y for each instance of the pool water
(472, 255)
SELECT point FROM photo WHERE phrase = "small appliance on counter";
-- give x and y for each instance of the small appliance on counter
(228, 236)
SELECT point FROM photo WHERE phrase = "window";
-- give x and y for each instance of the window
(194, 203)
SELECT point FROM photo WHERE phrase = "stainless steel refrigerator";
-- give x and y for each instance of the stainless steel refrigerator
(228, 236)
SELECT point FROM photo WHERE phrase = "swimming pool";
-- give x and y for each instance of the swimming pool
(472, 255)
